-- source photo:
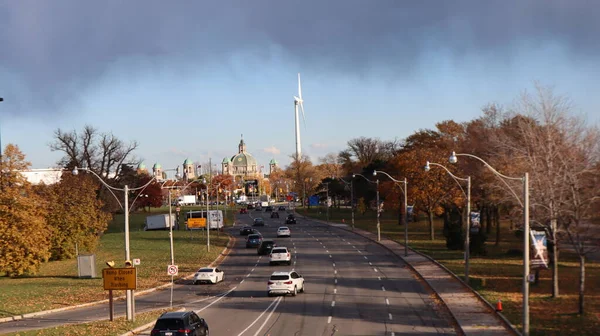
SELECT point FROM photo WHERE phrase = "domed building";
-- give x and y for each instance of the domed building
(242, 165)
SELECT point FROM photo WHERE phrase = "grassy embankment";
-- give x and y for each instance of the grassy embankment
(56, 284)
(498, 275)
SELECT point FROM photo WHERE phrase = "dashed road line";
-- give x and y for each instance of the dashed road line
(387, 302)
(330, 256)
(390, 316)
(383, 288)
(333, 264)
(329, 320)
(365, 257)
(335, 280)
(375, 269)
(335, 291)
(333, 304)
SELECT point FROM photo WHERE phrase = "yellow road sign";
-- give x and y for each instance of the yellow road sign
(119, 278)
(193, 223)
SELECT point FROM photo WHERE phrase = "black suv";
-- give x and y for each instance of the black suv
(281, 208)
(246, 230)
(265, 247)
(258, 222)
(186, 323)
(290, 219)
(269, 209)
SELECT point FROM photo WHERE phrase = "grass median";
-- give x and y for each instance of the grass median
(57, 285)
(497, 275)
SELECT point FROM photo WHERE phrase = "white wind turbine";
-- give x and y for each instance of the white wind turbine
(298, 101)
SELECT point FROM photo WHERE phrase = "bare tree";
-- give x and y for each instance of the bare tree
(363, 151)
(330, 165)
(103, 153)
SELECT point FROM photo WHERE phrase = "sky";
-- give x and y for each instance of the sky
(186, 79)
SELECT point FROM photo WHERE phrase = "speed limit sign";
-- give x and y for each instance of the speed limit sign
(172, 270)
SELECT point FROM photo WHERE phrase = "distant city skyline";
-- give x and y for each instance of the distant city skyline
(187, 80)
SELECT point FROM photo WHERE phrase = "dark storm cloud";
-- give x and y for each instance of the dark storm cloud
(51, 50)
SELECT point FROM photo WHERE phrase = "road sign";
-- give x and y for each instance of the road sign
(195, 223)
(119, 278)
(136, 261)
(172, 270)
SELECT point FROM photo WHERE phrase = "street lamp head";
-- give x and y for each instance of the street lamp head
(75, 171)
(453, 158)
(427, 167)
(374, 172)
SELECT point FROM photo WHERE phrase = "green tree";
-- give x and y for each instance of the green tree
(24, 234)
(75, 216)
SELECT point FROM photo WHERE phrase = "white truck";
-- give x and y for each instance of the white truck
(159, 222)
(215, 218)
(187, 200)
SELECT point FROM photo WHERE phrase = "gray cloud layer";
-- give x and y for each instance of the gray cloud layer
(52, 49)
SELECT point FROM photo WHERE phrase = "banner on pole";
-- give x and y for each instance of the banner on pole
(475, 222)
(410, 212)
(538, 250)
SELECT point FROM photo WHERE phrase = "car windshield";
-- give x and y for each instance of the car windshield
(205, 270)
(253, 236)
(283, 228)
(171, 324)
(280, 277)
(279, 250)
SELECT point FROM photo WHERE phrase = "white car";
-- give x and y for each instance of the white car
(280, 255)
(284, 231)
(285, 283)
(208, 275)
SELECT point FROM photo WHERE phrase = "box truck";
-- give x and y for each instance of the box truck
(187, 200)
(197, 219)
(159, 222)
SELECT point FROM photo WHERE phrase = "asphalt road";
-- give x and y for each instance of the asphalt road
(353, 287)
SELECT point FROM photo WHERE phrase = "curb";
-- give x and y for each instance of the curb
(489, 305)
(219, 259)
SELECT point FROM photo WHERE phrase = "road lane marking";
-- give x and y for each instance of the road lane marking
(333, 303)
(276, 302)
(329, 320)
(390, 316)
(335, 280)
(387, 302)
(379, 278)
(327, 251)
(359, 251)
(248, 275)
(330, 256)
(353, 246)
(242, 281)
(252, 270)
(333, 264)
(217, 300)
(383, 288)
(375, 269)
(370, 263)
(334, 271)
(335, 291)
(365, 257)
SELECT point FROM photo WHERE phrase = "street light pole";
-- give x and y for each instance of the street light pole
(353, 176)
(525, 204)
(378, 213)
(405, 190)
(468, 221)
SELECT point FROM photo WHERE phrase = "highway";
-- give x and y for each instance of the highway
(353, 287)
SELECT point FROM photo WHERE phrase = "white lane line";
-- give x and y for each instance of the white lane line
(324, 247)
(294, 263)
(365, 257)
(329, 320)
(353, 246)
(359, 251)
(383, 288)
(335, 280)
(335, 291)
(334, 271)
(379, 278)
(327, 251)
(248, 275)
(370, 263)
(276, 302)
(333, 264)
(348, 243)
(390, 316)
(375, 269)
(393, 334)
(252, 270)
(333, 303)
(242, 281)
(219, 299)
(387, 302)
(343, 239)
(330, 256)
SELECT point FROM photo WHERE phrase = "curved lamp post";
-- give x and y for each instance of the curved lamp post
(468, 196)
(405, 205)
(129, 293)
(377, 183)
(525, 204)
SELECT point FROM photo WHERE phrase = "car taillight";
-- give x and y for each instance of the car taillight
(270, 282)
(184, 330)
(270, 255)
(288, 282)
(288, 254)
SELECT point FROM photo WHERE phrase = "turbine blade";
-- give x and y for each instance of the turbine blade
(302, 108)
(299, 88)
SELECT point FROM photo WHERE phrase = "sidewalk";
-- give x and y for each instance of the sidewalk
(474, 315)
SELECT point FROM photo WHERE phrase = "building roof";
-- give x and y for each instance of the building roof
(187, 162)
(273, 161)
(141, 166)
(226, 160)
(157, 166)
(244, 160)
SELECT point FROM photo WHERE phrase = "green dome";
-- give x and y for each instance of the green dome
(226, 160)
(157, 166)
(141, 166)
(187, 162)
(243, 160)
(273, 162)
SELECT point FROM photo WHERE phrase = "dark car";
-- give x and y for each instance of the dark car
(258, 222)
(243, 211)
(281, 208)
(253, 240)
(185, 323)
(250, 206)
(246, 230)
(265, 247)
(269, 209)
(274, 214)
(290, 219)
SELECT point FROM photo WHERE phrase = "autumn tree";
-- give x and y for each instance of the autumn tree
(74, 216)
(24, 233)
(151, 196)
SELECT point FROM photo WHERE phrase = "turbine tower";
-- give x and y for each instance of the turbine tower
(298, 101)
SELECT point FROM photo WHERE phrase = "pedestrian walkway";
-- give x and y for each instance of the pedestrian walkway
(472, 313)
